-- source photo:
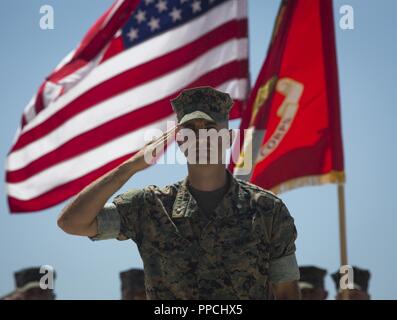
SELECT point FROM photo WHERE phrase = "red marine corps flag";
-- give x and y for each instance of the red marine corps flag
(292, 130)
(292, 123)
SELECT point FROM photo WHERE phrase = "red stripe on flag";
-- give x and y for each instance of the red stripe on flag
(115, 47)
(39, 103)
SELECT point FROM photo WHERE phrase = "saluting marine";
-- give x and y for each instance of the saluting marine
(209, 236)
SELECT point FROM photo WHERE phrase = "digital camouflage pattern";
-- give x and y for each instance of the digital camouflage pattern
(191, 103)
(187, 255)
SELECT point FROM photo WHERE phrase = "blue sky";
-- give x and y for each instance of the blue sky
(367, 67)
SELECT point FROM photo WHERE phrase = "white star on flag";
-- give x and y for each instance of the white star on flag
(154, 23)
(133, 34)
(176, 14)
(196, 6)
(140, 16)
(161, 6)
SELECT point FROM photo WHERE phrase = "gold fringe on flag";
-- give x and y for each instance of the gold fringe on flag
(331, 177)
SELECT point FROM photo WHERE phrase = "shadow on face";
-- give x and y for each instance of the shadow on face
(209, 136)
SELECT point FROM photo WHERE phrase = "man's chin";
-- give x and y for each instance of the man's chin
(203, 162)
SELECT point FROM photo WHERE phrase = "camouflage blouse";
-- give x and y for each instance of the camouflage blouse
(248, 242)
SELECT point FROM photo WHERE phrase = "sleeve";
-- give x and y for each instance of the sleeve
(283, 265)
(120, 218)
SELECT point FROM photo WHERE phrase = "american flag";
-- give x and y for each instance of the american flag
(91, 113)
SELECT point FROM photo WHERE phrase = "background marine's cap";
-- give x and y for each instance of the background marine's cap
(202, 103)
(311, 277)
(28, 278)
(133, 280)
(360, 279)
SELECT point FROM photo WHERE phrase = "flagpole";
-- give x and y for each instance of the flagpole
(342, 232)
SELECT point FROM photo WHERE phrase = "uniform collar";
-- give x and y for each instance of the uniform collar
(185, 204)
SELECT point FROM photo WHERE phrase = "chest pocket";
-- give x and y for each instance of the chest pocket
(244, 251)
(170, 258)
(246, 262)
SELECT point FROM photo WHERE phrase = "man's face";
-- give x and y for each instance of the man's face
(314, 294)
(354, 294)
(204, 142)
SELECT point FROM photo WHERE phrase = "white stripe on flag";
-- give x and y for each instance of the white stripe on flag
(236, 88)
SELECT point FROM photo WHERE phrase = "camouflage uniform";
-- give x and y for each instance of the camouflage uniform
(250, 237)
(247, 241)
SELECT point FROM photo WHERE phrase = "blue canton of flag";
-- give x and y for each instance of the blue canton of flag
(153, 17)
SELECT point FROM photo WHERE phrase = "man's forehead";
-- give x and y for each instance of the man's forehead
(197, 122)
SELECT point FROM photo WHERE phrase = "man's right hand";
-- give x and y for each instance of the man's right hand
(150, 152)
(79, 216)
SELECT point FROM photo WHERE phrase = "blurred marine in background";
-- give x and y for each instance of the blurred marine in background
(360, 285)
(311, 283)
(133, 285)
(27, 283)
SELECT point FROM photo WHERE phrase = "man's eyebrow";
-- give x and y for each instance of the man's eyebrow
(188, 126)
(192, 126)
(210, 124)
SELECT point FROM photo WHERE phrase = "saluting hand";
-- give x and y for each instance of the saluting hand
(151, 151)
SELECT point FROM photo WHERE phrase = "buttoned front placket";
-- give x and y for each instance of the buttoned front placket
(206, 231)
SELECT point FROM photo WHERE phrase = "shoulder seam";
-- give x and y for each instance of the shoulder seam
(258, 188)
